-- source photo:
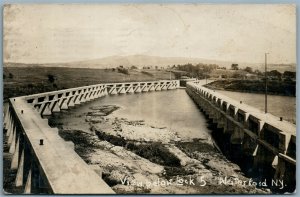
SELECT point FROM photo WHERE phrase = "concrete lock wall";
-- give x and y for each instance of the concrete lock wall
(267, 141)
(44, 162)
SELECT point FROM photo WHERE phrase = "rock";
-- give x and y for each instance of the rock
(96, 114)
(146, 133)
(184, 159)
(117, 148)
(147, 166)
(116, 175)
(116, 162)
(94, 120)
(129, 189)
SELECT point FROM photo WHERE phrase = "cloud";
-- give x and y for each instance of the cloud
(71, 32)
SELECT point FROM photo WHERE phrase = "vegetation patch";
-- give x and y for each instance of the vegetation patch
(286, 88)
(155, 152)
(28, 79)
(83, 144)
(195, 145)
(123, 70)
(177, 171)
(104, 109)
(147, 73)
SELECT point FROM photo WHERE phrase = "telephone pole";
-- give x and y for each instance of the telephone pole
(266, 85)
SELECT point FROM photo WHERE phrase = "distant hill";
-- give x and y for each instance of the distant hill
(144, 60)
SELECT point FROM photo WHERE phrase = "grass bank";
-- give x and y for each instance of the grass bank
(275, 87)
(20, 81)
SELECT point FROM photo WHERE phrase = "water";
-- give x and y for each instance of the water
(281, 106)
(172, 109)
(176, 111)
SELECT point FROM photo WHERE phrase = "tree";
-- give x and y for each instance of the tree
(237, 75)
(274, 74)
(213, 66)
(289, 74)
(30, 85)
(51, 78)
(234, 66)
(248, 69)
(133, 67)
(258, 72)
(10, 75)
(123, 70)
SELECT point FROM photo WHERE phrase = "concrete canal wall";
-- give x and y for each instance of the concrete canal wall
(267, 141)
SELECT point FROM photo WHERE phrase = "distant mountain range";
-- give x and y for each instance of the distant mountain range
(145, 60)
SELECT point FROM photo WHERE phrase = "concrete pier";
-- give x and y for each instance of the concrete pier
(267, 140)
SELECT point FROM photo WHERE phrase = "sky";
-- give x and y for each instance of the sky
(73, 32)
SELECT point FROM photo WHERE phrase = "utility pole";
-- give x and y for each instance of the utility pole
(266, 85)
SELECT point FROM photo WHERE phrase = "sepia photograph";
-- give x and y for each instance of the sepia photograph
(149, 98)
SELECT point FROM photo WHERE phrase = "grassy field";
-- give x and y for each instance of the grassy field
(20, 81)
(228, 73)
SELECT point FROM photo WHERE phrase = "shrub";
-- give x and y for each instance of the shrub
(123, 70)
(10, 75)
(147, 73)
(51, 78)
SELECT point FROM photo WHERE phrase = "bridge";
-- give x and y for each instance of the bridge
(269, 141)
(45, 163)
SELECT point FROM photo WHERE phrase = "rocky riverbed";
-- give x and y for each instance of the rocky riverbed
(136, 157)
